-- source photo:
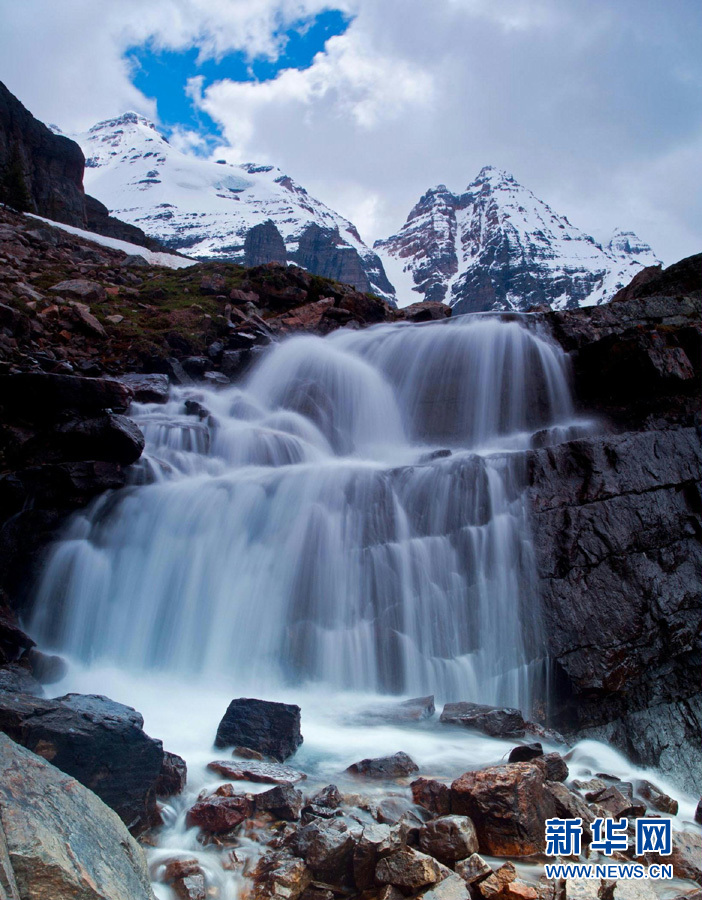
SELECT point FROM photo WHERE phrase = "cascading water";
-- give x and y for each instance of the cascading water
(353, 516)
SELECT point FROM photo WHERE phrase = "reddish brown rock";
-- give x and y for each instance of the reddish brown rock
(280, 877)
(432, 795)
(508, 806)
(217, 815)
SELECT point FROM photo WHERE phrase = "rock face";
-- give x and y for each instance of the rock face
(272, 729)
(497, 246)
(616, 526)
(62, 841)
(96, 741)
(42, 172)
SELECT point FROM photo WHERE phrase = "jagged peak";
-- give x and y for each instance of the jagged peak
(493, 176)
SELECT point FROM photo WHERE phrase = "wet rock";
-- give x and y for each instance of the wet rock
(426, 312)
(391, 810)
(570, 806)
(686, 857)
(375, 842)
(283, 801)
(187, 879)
(489, 719)
(148, 388)
(592, 785)
(656, 798)
(173, 776)
(397, 766)
(253, 770)
(525, 752)
(98, 742)
(270, 728)
(196, 366)
(408, 870)
(432, 795)
(327, 847)
(616, 803)
(329, 797)
(62, 841)
(508, 806)
(448, 838)
(494, 885)
(698, 812)
(45, 396)
(555, 767)
(474, 869)
(279, 876)
(218, 815)
(16, 678)
(111, 438)
(216, 378)
(80, 289)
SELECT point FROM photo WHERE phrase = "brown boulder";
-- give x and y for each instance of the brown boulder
(448, 838)
(432, 795)
(396, 766)
(280, 877)
(217, 815)
(409, 870)
(508, 806)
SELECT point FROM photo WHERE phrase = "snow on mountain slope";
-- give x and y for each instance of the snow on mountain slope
(497, 246)
(212, 210)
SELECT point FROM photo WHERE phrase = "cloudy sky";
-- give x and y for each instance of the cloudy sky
(596, 105)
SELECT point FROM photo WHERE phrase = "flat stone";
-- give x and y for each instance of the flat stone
(253, 770)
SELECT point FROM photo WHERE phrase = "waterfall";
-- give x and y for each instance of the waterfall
(352, 515)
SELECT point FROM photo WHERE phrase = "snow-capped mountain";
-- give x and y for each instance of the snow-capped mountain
(497, 246)
(213, 210)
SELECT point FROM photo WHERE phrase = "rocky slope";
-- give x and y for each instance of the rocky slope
(497, 246)
(42, 172)
(249, 214)
(618, 529)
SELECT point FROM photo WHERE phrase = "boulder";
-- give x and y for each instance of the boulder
(508, 806)
(453, 887)
(432, 795)
(218, 815)
(426, 312)
(616, 803)
(555, 767)
(283, 801)
(570, 806)
(413, 710)
(253, 770)
(272, 729)
(525, 752)
(148, 388)
(186, 878)
(80, 289)
(173, 776)
(397, 766)
(495, 884)
(656, 798)
(111, 438)
(16, 678)
(448, 838)
(62, 840)
(327, 847)
(408, 870)
(375, 842)
(495, 721)
(474, 869)
(394, 809)
(280, 876)
(698, 812)
(98, 742)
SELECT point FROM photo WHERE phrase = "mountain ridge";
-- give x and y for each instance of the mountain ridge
(497, 246)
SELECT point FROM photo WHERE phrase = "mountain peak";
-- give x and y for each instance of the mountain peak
(126, 119)
(493, 176)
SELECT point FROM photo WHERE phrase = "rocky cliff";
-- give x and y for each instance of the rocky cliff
(42, 172)
(617, 528)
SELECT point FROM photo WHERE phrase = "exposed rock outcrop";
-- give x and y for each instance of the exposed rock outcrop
(60, 839)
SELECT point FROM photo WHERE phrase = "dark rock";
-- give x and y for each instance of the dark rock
(656, 798)
(432, 795)
(328, 797)
(218, 815)
(426, 312)
(397, 766)
(195, 408)
(448, 839)
(570, 806)
(95, 740)
(59, 839)
(489, 719)
(408, 870)
(327, 847)
(392, 810)
(46, 668)
(271, 728)
(698, 812)
(111, 438)
(375, 842)
(525, 752)
(283, 801)
(135, 261)
(508, 806)
(263, 244)
(196, 366)
(262, 772)
(40, 396)
(213, 284)
(80, 289)
(616, 803)
(555, 767)
(474, 869)
(413, 710)
(148, 388)
(173, 776)
(16, 678)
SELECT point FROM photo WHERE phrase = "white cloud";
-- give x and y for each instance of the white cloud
(595, 106)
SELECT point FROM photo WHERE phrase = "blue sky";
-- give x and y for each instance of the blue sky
(162, 74)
